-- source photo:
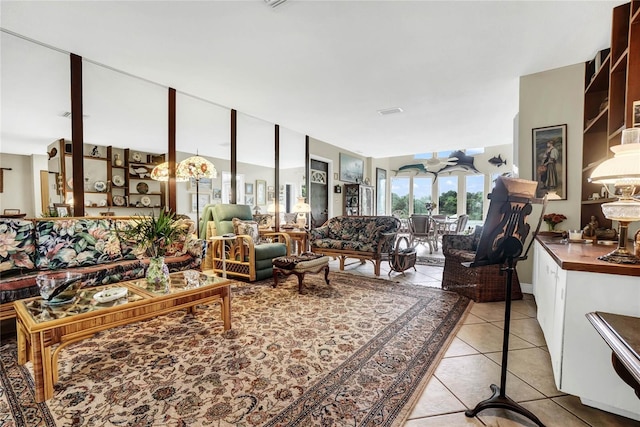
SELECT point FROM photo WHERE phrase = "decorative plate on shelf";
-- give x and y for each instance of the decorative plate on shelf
(142, 188)
(100, 186)
(102, 203)
(137, 157)
(146, 201)
(118, 180)
(118, 201)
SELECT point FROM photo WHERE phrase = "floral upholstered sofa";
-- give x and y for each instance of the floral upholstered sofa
(87, 245)
(360, 237)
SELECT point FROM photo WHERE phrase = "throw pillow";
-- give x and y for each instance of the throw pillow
(249, 228)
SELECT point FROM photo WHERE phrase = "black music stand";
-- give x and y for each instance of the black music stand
(502, 242)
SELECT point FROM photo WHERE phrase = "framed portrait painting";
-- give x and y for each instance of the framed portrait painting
(550, 161)
(351, 168)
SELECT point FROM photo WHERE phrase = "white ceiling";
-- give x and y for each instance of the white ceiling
(321, 68)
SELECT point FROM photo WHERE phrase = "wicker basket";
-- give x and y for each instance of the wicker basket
(481, 284)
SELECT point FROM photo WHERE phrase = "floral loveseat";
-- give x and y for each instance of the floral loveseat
(361, 237)
(88, 245)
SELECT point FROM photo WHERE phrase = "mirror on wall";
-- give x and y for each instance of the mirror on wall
(202, 128)
(125, 137)
(35, 107)
(292, 189)
(256, 164)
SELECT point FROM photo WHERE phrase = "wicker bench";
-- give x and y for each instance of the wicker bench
(300, 265)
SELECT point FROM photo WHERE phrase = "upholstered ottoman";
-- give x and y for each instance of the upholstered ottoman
(300, 265)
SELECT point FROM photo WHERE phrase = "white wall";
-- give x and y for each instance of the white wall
(553, 97)
(17, 195)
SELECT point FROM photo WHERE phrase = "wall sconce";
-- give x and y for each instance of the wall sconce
(623, 172)
(337, 188)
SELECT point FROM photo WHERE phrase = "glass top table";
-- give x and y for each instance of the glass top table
(40, 325)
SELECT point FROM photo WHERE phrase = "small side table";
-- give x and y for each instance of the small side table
(224, 256)
(622, 334)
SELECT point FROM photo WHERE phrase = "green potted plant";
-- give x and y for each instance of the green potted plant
(153, 236)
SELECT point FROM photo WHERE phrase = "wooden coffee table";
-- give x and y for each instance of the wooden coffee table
(41, 326)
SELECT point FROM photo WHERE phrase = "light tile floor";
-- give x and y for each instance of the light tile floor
(473, 361)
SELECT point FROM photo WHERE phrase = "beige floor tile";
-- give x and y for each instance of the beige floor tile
(527, 329)
(450, 420)
(532, 366)
(469, 378)
(592, 416)
(486, 338)
(459, 348)
(472, 318)
(436, 400)
(526, 306)
(550, 413)
(494, 311)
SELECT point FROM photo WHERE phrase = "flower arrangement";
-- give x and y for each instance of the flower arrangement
(553, 219)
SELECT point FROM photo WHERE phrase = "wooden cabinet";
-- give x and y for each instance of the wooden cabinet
(612, 83)
(567, 286)
(358, 199)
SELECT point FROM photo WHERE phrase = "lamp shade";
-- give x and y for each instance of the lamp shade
(301, 206)
(622, 169)
(196, 167)
(161, 173)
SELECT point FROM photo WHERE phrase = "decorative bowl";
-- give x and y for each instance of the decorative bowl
(59, 287)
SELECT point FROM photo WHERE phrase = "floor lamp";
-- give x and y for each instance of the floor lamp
(196, 168)
(502, 243)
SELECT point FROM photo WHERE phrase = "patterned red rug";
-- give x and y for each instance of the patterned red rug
(357, 352)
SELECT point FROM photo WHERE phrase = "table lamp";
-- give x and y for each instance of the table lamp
(623, 173)
(275, 209)
(302, 209)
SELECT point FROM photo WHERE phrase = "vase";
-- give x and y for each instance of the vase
(157, 275)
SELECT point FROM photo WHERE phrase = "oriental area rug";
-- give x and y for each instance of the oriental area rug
(359, 351)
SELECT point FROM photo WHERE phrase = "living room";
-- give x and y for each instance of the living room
(250, 173)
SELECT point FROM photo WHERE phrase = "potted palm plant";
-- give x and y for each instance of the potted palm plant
(152, 236)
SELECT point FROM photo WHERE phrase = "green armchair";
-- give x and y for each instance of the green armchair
(249, 256)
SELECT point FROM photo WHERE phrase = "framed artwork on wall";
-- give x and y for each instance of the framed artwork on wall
(62, 209)
(550, 161)
(351, 168)
(199, 201)
(248, 188)
(205, 184)
(261, 192)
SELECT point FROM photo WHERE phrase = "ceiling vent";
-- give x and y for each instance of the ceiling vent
(388, 111)
(274, 3)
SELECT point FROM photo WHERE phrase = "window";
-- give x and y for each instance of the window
(448, 195)
(475, 196)
(421, 194)
(400, 196)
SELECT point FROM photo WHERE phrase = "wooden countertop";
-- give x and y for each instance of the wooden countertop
(584, 256)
